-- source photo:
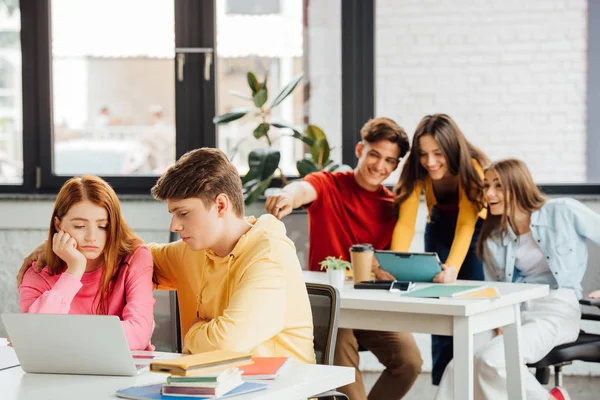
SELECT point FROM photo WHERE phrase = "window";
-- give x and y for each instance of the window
(279, 47)
(113, 87)
(253, 7)
(11, 110)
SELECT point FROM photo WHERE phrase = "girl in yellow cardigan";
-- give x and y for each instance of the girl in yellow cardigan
(449, 169)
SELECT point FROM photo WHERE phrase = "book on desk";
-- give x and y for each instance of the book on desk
(201, 363)
(264, 368)
(455, 292)
(154, 392)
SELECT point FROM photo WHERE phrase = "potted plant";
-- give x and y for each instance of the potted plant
(262, 163)
(336, 270)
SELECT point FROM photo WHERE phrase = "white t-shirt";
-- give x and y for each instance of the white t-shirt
(529, 258)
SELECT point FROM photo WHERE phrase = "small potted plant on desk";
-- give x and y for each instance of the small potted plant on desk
(336, 270)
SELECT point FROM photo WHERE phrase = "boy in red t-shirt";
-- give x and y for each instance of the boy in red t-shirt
(345, 208)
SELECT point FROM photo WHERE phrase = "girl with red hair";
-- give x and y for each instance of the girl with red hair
(96, 264)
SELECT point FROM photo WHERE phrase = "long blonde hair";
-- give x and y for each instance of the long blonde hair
(120, 238)
(519, 192)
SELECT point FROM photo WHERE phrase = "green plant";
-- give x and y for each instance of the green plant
(262, 163)
(334, 263)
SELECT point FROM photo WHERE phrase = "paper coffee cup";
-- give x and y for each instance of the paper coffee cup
(361, 258)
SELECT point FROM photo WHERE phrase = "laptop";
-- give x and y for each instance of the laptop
(71, 344)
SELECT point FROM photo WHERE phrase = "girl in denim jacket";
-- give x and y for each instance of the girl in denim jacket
(527, 238)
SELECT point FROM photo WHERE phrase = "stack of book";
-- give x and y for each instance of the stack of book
(212, 375)
(206, 375)
(215, 384)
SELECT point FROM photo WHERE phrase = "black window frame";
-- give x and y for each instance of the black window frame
(194, 97)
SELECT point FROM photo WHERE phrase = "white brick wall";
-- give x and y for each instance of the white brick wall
(324, 52)
(511, 73)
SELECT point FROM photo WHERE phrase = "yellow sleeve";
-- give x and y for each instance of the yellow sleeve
(167, 259)
(404, 231)
(465, 226)
(256, 313)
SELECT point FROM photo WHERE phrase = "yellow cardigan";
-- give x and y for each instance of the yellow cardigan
(404, 231)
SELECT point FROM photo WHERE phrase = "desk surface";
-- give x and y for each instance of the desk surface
(381, 300)
(298, 381)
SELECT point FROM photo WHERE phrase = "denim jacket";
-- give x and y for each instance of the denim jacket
(560, 229)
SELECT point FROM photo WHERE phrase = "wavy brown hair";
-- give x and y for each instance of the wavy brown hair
(519, 192)
(120, 238)
(457, 151)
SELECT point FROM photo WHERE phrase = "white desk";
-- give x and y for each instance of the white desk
(384, 311)
(298, 381)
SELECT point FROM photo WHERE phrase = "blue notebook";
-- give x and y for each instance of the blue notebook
(154, 392)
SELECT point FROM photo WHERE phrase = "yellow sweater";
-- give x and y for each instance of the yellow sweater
(252, 300)
(404, 231)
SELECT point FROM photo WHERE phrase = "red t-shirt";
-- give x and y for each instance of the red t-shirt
(345, 214)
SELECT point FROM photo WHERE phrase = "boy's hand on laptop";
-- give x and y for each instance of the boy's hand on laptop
(65, 246)
(594, 295)
(280, 205)
(37, 256)
(448, 274)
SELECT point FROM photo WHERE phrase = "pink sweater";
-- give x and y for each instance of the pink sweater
(131, 299)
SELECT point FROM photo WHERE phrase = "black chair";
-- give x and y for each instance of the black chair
(325, 306)
(585, 348)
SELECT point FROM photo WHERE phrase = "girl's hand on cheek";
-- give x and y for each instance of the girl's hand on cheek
(65, 246)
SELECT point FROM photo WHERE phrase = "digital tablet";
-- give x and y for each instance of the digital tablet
(416, 267)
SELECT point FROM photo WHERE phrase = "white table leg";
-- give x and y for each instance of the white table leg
(514, 357)
(463, 359)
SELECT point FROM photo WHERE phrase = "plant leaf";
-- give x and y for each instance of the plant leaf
(295, 134)
(283, 125)
(306, 166)
(314, 132)
(261, 130)
(254, 191)
(321, 144)
(260, 97)
(285, 91)
(263, 162)
(231, 115)
(240, 95)
(253, 83)
(264, 84)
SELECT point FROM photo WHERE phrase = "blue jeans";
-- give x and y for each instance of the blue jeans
(439, 234)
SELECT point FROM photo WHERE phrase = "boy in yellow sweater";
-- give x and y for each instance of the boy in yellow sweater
(238, 280)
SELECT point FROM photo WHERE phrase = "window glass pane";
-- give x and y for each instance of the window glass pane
(113, 86)
(11, 117)
(282, 42)
(512, 75)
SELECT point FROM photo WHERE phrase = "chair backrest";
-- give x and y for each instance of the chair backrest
(325, 306)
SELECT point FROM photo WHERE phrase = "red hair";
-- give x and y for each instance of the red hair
(120, 238)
